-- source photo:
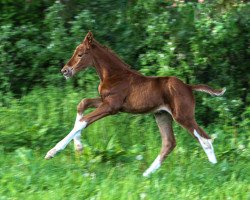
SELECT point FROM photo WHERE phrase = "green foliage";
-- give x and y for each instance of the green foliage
(200, 43)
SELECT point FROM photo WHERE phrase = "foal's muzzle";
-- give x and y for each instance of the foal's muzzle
(67, 72)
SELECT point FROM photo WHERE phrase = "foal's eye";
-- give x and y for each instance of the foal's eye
(79, 55)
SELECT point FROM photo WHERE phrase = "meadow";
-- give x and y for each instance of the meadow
(117, 150)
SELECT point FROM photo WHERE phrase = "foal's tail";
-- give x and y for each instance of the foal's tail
(209, 90)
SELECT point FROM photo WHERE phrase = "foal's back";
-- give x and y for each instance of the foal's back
(149, 94)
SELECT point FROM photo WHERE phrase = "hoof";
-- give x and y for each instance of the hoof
(145, 174)
(51, 153)
(79, 148)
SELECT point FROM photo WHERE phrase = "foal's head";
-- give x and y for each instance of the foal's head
(81, 57)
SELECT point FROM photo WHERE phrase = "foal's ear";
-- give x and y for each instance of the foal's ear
(88, 39)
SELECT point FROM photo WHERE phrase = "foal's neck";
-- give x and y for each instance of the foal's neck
(107, 64)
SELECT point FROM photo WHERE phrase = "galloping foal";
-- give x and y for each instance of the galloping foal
(124, 90)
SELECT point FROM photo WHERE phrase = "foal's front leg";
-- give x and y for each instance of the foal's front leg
(82, 106)
(63, 143)
(103, 110)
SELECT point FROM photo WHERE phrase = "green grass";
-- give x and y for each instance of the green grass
(26, 175)
(108, 168)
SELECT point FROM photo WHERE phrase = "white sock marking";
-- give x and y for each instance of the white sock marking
(78, 117)
(207, 147)
(153, 167)
(77, 138)
(77, 142)
(63, 143)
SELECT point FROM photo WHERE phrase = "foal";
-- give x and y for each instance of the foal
(124, 90)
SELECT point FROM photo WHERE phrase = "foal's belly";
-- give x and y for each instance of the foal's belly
(142, 101)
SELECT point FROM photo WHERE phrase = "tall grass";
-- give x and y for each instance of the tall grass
(117, 151)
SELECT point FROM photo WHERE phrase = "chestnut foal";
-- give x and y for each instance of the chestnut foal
(125, 90)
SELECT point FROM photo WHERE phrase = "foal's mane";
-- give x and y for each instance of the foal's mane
(112, 54)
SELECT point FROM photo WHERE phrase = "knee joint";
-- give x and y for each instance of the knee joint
(170, 146)
(82, 105)
(112, 110)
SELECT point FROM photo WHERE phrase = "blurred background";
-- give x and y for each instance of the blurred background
(199, 41)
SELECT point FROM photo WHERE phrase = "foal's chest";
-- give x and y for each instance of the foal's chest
(102, 91)
(107, 89)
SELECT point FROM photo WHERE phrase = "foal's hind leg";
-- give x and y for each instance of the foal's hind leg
(182, 107)
(190, 124)
(164, 121)
(82, 106)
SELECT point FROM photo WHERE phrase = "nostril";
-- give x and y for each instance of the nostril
(64, 71)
